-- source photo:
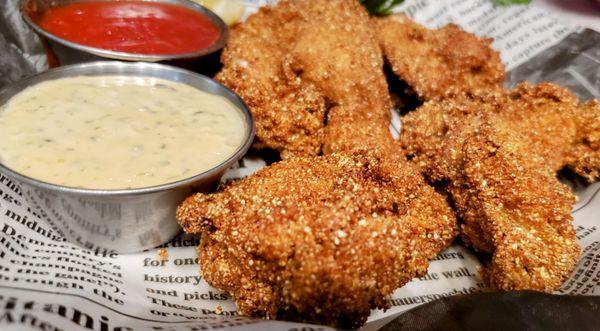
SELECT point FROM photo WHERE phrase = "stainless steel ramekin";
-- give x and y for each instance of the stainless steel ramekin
(68, 52)
(126, 220)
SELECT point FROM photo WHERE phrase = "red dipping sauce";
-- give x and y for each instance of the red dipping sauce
(138, 27)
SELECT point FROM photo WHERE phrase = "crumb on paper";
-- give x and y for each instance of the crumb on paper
(163, 254)
(219, 310)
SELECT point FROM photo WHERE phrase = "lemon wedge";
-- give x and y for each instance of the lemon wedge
(230, 11)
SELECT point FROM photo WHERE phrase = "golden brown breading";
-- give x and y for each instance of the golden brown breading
(337, 51)
(584, 158)
(518, 212)
(297, 62)
(545, 118)
(288, 112)
(497, 154)
(323, 239)
(435, 62)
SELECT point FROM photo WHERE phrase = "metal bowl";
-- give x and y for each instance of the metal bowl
(125, 220)
(68, 52)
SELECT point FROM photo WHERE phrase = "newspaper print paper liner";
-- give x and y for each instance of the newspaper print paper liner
(48, 283)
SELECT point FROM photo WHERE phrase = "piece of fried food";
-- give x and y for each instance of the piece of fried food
(497, 153)
(306, 68)
(436, 62)
(322, 239)
(289, 113)
(337, 51)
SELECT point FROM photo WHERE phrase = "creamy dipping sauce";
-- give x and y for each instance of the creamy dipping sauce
(117, 132)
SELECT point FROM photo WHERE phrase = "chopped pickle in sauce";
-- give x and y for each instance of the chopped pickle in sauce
(117, 132)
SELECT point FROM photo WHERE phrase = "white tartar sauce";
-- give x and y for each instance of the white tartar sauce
(117, 132)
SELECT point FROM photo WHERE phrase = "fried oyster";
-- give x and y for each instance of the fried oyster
(438, 62)
(321, 240)
(305, 68)
(497, 154)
